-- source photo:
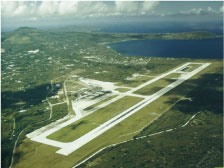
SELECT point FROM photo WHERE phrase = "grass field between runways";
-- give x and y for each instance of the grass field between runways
(173, 75)
(134, 82)
(99, 103)
(154, 87)
(86, 124)
(122, 90)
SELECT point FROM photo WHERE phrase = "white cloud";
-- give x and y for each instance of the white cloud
(8, 7)
(221, 9)
(194, 11)
(149, 6)
(200, 11)
(76, 8)
(67, 7)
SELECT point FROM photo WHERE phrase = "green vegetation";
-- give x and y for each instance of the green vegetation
(29, 79)
(199, 144)
(154, 87)
(122, 90)
(86, 124)
(163, 123)
(73, 85)
(19, 39)
(173, 75)
(191, 147)
(118, 73)
(26, 76)
(139, 152)
(99, 103)
(59, 111)
(134, 82)
(190, 35)
(59, 99)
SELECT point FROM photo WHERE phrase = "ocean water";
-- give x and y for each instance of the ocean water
(204, 48)
(164, 27)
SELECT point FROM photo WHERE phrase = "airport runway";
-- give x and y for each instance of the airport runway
(67, 148)
(72, 146)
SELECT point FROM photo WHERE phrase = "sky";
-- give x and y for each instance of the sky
(61, 13)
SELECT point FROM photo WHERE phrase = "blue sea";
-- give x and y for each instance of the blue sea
(196, 49)
(164, 27)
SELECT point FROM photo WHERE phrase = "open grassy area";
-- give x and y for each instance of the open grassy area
(154, 87)
(173, 75)
(164, 122)
(73, 85)
(101, 102)
(122, 90)
(134, 82)
(84, 125)
(19, 40)
(193, 146)
(59, 99)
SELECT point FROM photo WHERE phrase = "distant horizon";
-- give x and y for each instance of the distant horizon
(47, 14)
(152, 27)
